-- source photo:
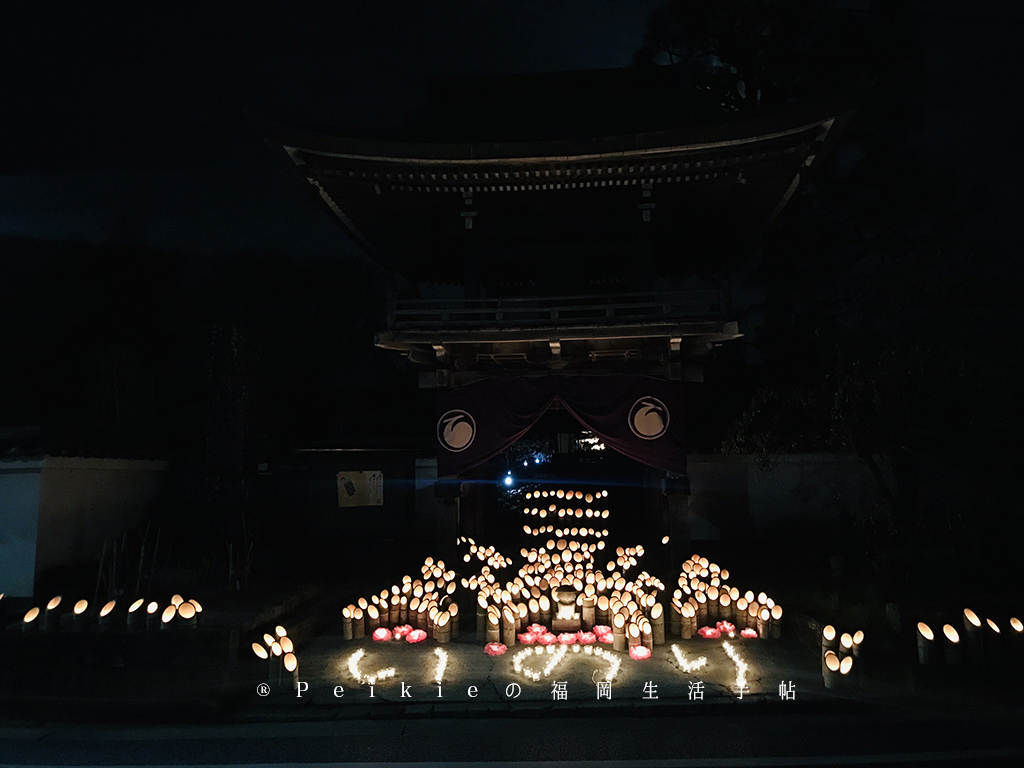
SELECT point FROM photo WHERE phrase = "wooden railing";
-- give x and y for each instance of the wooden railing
(556, 311)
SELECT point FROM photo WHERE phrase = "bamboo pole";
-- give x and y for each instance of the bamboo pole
(951, 648)
(618, 632)
(925, 644)
(509, 625)
(658, 624)
(346, 622)
(972, 634)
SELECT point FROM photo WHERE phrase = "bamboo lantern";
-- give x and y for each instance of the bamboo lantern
(523, 615)
(545, 610)
(588, 611)
(443, 627)
(358, 626)
(533, 610)
(925, 644)
(830, 667)
(51, 617)
(403, 609)
(858, 639)
(712, 604)
(188, 616)
(776, 622)
(618, 632)
(167, 617)
(287, 646)
(453, 611)
(136, 616)
(675, 618)
(509, 626)
(975, 650)
(725, 609)
(493, 632)
(372, 618)
(702, 608)
(291, 664)
(633, 635)
(30, 622)
(423, 615)
(105, 618)
(1016, 638)
(846, 643)
(845, 665)
(260, 651)
(481, 617)
(658, 624)
(764, 622)
(828, 640)
(993, 642)
(687, 620)
(951, 645)
(80, 617)
(346, 622)
(394, 614)
(153, 615)
(740, 613)
(647, 633)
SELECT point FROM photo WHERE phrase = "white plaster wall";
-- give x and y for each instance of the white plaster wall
(19, 510)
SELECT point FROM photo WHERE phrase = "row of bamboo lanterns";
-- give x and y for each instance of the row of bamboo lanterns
(426, 605)
(703, 599)
(837, 654)
(178, 614)
(589, 498)
(975, 643)
(546, 529)
(278, 651)
(489, 555)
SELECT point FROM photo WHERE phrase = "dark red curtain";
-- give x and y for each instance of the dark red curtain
(638, 416)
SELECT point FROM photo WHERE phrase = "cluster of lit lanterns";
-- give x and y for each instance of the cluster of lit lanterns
(278, 651)
(425, 604)
(704, 604)
(976, 642)
(550, 504)
(837, 654)
(179, 613)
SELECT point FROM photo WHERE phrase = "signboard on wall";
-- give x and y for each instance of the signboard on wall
(360, 489)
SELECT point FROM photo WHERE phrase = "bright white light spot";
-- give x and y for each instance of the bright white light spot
(508, 480)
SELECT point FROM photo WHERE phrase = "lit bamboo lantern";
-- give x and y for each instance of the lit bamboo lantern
(533, 610)
(993, 642)
(509, 625)
(443, 627)
(633, 635)
(588, 611)
(372, 618)
(522, 616)
(394, 614)
(545, 610)
(167, 617)
(358, 627)
(291, 664)
(177, 600)
(647, 633)
(453, 611)
(845, 665)
(711, 596)
(828, 640)
(105, 618)
(403, 609)
(287, 646)
(618, 632)
(79, 616)
(260, 651)
(725, 609)
(51, 617)
(973, 636)
(925, 644)
(675, 618)
(830, 666)
(776, 622)
(152, 615)
(686, 621)
(30, 622)
(764, 622)
(346, 622)
(951, 645)
(136, 616)
(858, 639)
(423, 615)
(740, 613)
(658, 624)
(493, 631)
(187, 616)
(846, 643)
(702, 608)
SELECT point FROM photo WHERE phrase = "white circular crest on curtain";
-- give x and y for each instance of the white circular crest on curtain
(456, 430)
(648, 418)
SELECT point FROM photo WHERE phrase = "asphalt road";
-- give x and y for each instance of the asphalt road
(855, 735)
